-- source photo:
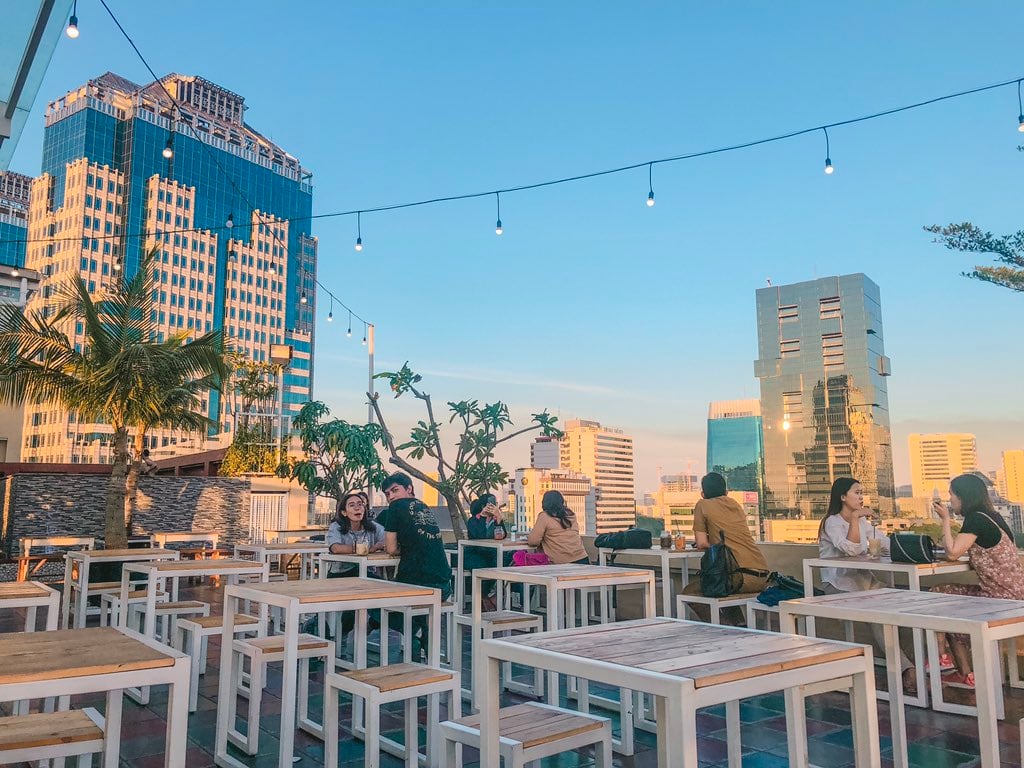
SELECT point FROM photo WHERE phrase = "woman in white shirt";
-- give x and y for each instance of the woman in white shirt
(845, 532)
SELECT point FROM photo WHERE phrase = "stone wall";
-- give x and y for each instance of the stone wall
(72, 505)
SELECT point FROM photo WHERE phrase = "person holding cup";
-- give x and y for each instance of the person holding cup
(845, 532)
(351, 533)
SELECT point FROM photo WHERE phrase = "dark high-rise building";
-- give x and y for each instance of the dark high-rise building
(824, 404)
(735, 447)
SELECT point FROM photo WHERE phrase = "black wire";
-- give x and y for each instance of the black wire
(828, 151)
(1020, 105)
(650, 176)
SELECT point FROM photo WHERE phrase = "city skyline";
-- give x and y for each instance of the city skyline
(367, 144)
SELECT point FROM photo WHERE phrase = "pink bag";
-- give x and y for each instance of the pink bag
(521, 557)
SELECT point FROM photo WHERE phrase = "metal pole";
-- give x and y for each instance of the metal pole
(369, 418)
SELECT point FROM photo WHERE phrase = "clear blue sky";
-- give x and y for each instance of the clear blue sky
(591, 304)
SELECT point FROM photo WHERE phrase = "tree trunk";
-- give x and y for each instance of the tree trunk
(115, 524)
(134, 463)
(457, 516)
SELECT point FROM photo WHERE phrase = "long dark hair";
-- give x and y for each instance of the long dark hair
(974, 499)
(553, 504)
(339, 516)
(840, 488)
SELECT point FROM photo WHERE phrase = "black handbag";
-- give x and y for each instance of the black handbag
(634, 538)
(914, 548)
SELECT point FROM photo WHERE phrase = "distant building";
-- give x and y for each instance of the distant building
(606, 457)
(680, 482)
(14, 197)
(824, 401)
(675, 508)
(937, 458)
(531, 483)
(791, 531)
(1012, 476)
(544, 453)
(735, 443)
(430, 495)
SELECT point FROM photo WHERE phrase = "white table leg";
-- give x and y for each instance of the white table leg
(677, 730)
(66, 595)
(554, 621)
(225, 694)
(864, 711)
(83, 593)
(809, 627)
(487, 686)
(988, 705)
(796, 725)
(666, 585)
(289, 684)
(895, 678)
(734, 734)
(30, 618)
(112, 728)
(921, 699)
(177, 716)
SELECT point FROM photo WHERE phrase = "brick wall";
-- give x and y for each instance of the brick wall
(72, 505)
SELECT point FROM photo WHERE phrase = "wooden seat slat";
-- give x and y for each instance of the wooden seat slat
(396, 676)
(226, 564)
(47, 729)
(275, 644)
(21, 589)
(508, 617)
(744, 669)
(532, 725)
(209, 622)
(329, 590)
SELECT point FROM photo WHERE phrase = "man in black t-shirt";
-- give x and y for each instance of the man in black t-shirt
(412, 533)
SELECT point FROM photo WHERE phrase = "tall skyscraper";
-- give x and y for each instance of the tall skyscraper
(530, 484)
(1013, 476)
(544, 453)
(936, 459)
(606, 457)
(824, 403)
(14, 196)
(735, 448)
(127, 170)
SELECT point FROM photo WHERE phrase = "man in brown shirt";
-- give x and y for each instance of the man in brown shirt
(715, 514)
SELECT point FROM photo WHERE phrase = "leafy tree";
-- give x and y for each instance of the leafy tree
(118, 374)
(254, 389)
(473, 470)
(340, 457)
(1008, 250)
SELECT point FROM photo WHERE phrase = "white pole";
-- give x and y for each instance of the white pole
(369, 418)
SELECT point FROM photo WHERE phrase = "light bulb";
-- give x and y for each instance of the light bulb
(304, 300)
(497, 228)
(364, 339)
(359, 243)
(349, 332)
(828, 166)
(650, 199)
(72, 29)
(231, 221)
(168, 152)
(273, 268)
(1021, 126)
(330, 316)
(15, 272)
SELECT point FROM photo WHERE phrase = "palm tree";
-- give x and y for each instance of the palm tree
(121, 374)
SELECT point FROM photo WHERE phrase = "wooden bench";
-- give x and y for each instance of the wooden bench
(378, 686)
(531, 732)
(715, 604)
(29, 564)
(46, 735)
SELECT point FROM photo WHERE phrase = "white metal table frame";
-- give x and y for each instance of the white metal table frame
(272, 594)
(183, 537)
(677, 699)
(31, 603)
(665, 558)
(308, 553)
(175, 675)
(499, 546)
(913, 573)
(546, 577)
(984, 654)
(284, 535)
(363, 562)
(84, 559)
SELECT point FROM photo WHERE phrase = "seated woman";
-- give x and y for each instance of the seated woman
(484, 515)
(845, 532)
(557, 533)
(988, 543)
(349, 528)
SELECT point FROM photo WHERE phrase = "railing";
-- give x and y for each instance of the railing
(266, 511)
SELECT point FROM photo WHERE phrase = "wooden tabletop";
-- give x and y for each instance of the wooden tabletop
(708, 654)
(18, 590)
(35, 656)
(569, 572)
(219, 564)
(991, 611)
(138, 553)
(288, 548)
(330, 590)
(884, 561)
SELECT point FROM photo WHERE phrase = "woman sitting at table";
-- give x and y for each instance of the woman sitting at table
(349, 529)
(988, 543)
(484, 515)
(557, 533)
(845, 532)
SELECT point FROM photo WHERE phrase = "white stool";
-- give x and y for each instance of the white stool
(110, 604)
(48, 735)
(496, 623)
(382, 685)
(196, 631)
(168, 615)
(447, 613)
(716, 604)
(530, 732)
(260, 652)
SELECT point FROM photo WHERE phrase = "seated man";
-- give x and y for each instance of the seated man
(714, 514)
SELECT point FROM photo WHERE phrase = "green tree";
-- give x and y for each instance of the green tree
(254, 392)
(473, 470)
(340, 457)
(1008, 250)
(118, 372)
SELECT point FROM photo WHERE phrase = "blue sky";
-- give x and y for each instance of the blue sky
(591, 304)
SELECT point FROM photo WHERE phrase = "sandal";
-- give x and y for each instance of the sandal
(959, 680)
(945, 664)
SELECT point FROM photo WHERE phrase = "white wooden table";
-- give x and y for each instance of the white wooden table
(102, 659)
(913, 574)
(498, 546)
(307, 551)
(985, 620)
(162, 538)
(31, 595)
(560, 581)
(315, 596)
(284, 535)
(664, 558)
(362, 562)
(686, 666)
(76, 574)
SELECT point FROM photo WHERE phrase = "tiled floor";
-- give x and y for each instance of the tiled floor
(937, 740)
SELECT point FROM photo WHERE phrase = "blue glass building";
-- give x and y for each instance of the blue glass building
(735, 446)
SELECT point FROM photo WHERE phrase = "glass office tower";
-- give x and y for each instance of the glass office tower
(824, 403)
(127, 170)
(734, 443)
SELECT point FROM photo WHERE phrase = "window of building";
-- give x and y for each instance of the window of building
(788, 313)
(789, 347)
(832, 349)
(829, 308)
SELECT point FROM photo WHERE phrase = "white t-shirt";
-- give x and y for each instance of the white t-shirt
(833, 543)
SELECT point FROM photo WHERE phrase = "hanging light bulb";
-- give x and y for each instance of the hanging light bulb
(349, 332)
(828, 159)
(168, 152)
(364, 334)
(828, 166)
(497, 226)
(330, 315)
(304, 300)
(359, 243)
(359, 230)
(72, 28)
(231, 221)
(15, 272)
(273, 268)
(650, 185)
(117, 264)
(1020, 110)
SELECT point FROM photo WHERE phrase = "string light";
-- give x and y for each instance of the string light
(72, 28)
(231, 221)
(1020, 110)
(168, 152)
(359, 230)
(304, 300)
(349, 332)
(273, 268)
(497, 227)
(364, 334)
(330, 315)
(828, 158)
(15, 272)
(650, 184)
